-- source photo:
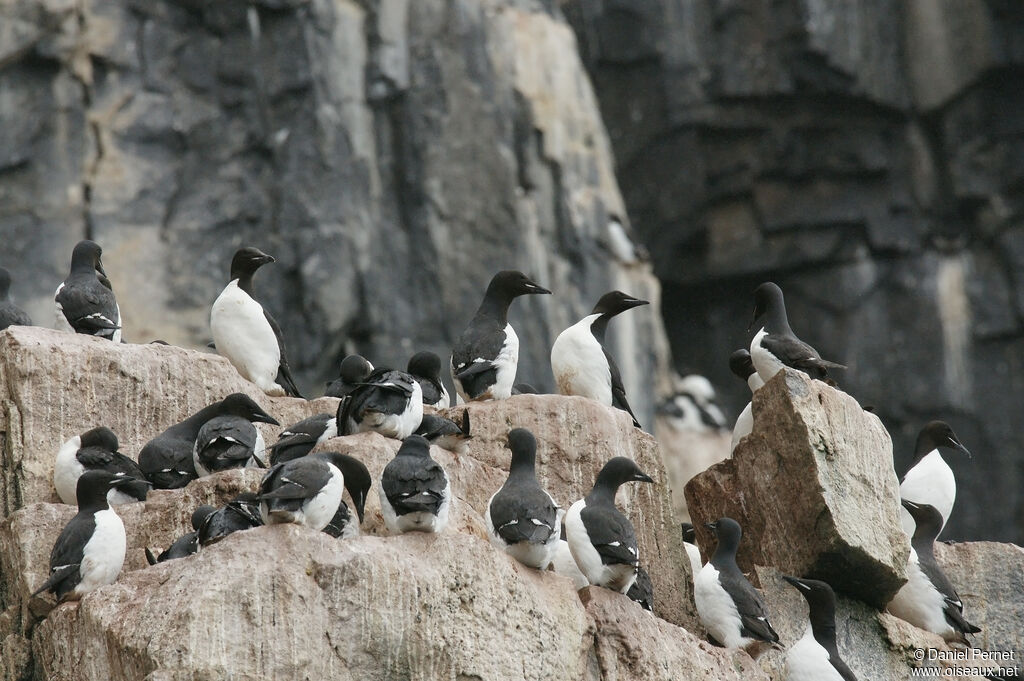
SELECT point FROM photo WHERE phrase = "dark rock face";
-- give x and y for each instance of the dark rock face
(869, 158)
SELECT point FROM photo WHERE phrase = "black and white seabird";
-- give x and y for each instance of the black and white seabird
(580, 361)
(246, 333)
(693, 405)
(241, 513)
(357, 482)
(167, 459)
(815, 657)
(10, 314)
(930, 480)
(90, 550)
(388, 402)
(775, 345)
(446, 433)
(742, 367)
(928, 599)
(486, 355)
(728, 605)
(642, 590)
(226, 442)
(692, 551)
(307, 491)
(300, 438)
(564, 564)
(522, 519)
(415, 494)
(186, 544)
(85, 301)
(425, 367)
(96, 450)
(354, 370)
(601, 538)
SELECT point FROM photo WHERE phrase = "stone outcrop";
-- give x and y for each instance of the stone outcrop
(813, 488)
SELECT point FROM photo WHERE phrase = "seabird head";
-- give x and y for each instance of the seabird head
(240, 404)
(93, 485)
(415, 445)
(767, 299)
(101, 437)
(200, 515)
(728, 532)
(820, 598)
(357, 477)
(247, 260)
(927, 519)
(5, 283)
(615, 302)
(524, 449)
(355, 368)
(937, 434)
(86, 256)
(689, 533)
(425, 364)
(741, 364)
(509, 284)
(617, 471)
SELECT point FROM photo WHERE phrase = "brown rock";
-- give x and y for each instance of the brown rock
(814, 488)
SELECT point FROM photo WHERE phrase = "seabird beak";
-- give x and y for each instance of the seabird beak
(634, 302)
(99, 267)
(263, 417)
(642, 477)
(711, 526)
(266, 259)
(758, 311)
(796, 582)
(909, 505)
(959, 445)
(534, 288)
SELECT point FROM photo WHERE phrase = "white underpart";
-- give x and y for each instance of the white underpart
(766, 363)
(920, 603)
(537, 556)
(755, 382)
(717, 610)
(243, 335)
(259, 452)
(744, 425)
(316, 512)
(807, 660)
(579, 364)
(930, 482)
(615, 577)
(420, 521)
(103, 555)
(564, 564)
(444, 401)
(116, 497)
(506, 364)
(67, 469)
(397, 426)
(693, 553)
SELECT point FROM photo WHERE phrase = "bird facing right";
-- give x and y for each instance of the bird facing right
(815, 656)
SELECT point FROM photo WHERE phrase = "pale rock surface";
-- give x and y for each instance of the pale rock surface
(814, 489)
(685, 454)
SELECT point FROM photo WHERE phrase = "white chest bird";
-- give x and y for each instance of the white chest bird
(815, 657)
(307, 491)
(580, 362)
(929, 480)
(245, 332)
(742, 366)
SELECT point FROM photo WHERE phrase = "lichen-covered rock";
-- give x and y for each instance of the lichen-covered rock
(813, 488)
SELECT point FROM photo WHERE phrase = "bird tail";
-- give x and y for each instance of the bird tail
(55, 578)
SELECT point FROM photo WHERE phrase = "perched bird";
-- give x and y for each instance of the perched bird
(693, 405)
(743, 367)
(425, 367)
(445, 433)
(521, 518)
(226, 442)
(90, 550)
(388, 402)
(486, 355)
(564, 564)
(10, 314)
(692, 552)
(601, 538)
(728, 605)
(307, 491)
(167, 460)
(354, 370)
(241, 513)
(187, 544)
(815, 657)
(928, 599)
(300, 438)
(580, 361)
(930, 480)
(357, 482)
(246, 333)
(85, 301)
(642, 590)
(775, 345)
(415, 494)
(96, 450)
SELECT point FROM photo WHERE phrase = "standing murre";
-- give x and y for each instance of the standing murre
(742, 367)
(354, 369)
(226, 442)
(300, 438)
(244, 331)
(10, 314)
(425, 367)
(307, 491)
(928, 599)
(815, 656)
(357, 482)
(728, 604)
(642, 590)
(85, 301)
(96, 449)
(522, 519)
(167, 459)
(601, 538)
(930, 480)
(486, 355)
(775, 345)
(581, 363)
(388, 402)
(90, 550)
(415, 493)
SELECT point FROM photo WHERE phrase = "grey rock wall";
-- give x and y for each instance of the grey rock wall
(866, 156)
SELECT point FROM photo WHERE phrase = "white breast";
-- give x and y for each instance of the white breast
(919, 602)
(744, 425)
(693, 553)
(506, 364)
(243, 335)
(766, 363)
(588, 560)
(579, 364)
(717, 610)
(930, 482)
(67, 470)
(564, 564)
(806, 660)
(319, 510)
(103, 555)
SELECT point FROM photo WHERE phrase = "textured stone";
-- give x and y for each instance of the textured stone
(813, 488)
(687, 453)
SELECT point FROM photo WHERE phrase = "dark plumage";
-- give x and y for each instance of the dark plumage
(446, 433)
(96, 449)
(804, 659)
(10, 314)
(85, 302)
(300, 438)
(354, 370)
(425, 367)
(187, 544)
(241, 513)
(226, 442)
(307, 491)
(388, 402)
(642, 590)
(415, 494)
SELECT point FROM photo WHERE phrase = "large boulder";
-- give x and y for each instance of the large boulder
(813, 488)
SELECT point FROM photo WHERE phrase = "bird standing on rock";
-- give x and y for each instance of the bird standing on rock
(85, 300)
(10, 314)
(96, 449)
(742, 367)
(388, 401)
(415, 493)
(425, 367)
(930, 480)
(486, 355)
(307, 491)
(246, 333)
(775, 345)
(300, 438)
(354, 369)
(581, 363)
(815, 657)
(226, 442)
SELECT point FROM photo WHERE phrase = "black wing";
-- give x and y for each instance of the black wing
(284, 372)
(385, 391)
(67, 554)
(431, 390)
(226, 442)
(97, 458)
(89, 307)
(241, 513)
(182, 547)
(483, 340)
(953, 606)
(167, 463)
(290, 484)
(642, 590)
(342, 517)
(414, 484)
(794, 353)
(753, 619)
(523, 513)
(612, 535)
(298, 439)
(618, 392)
